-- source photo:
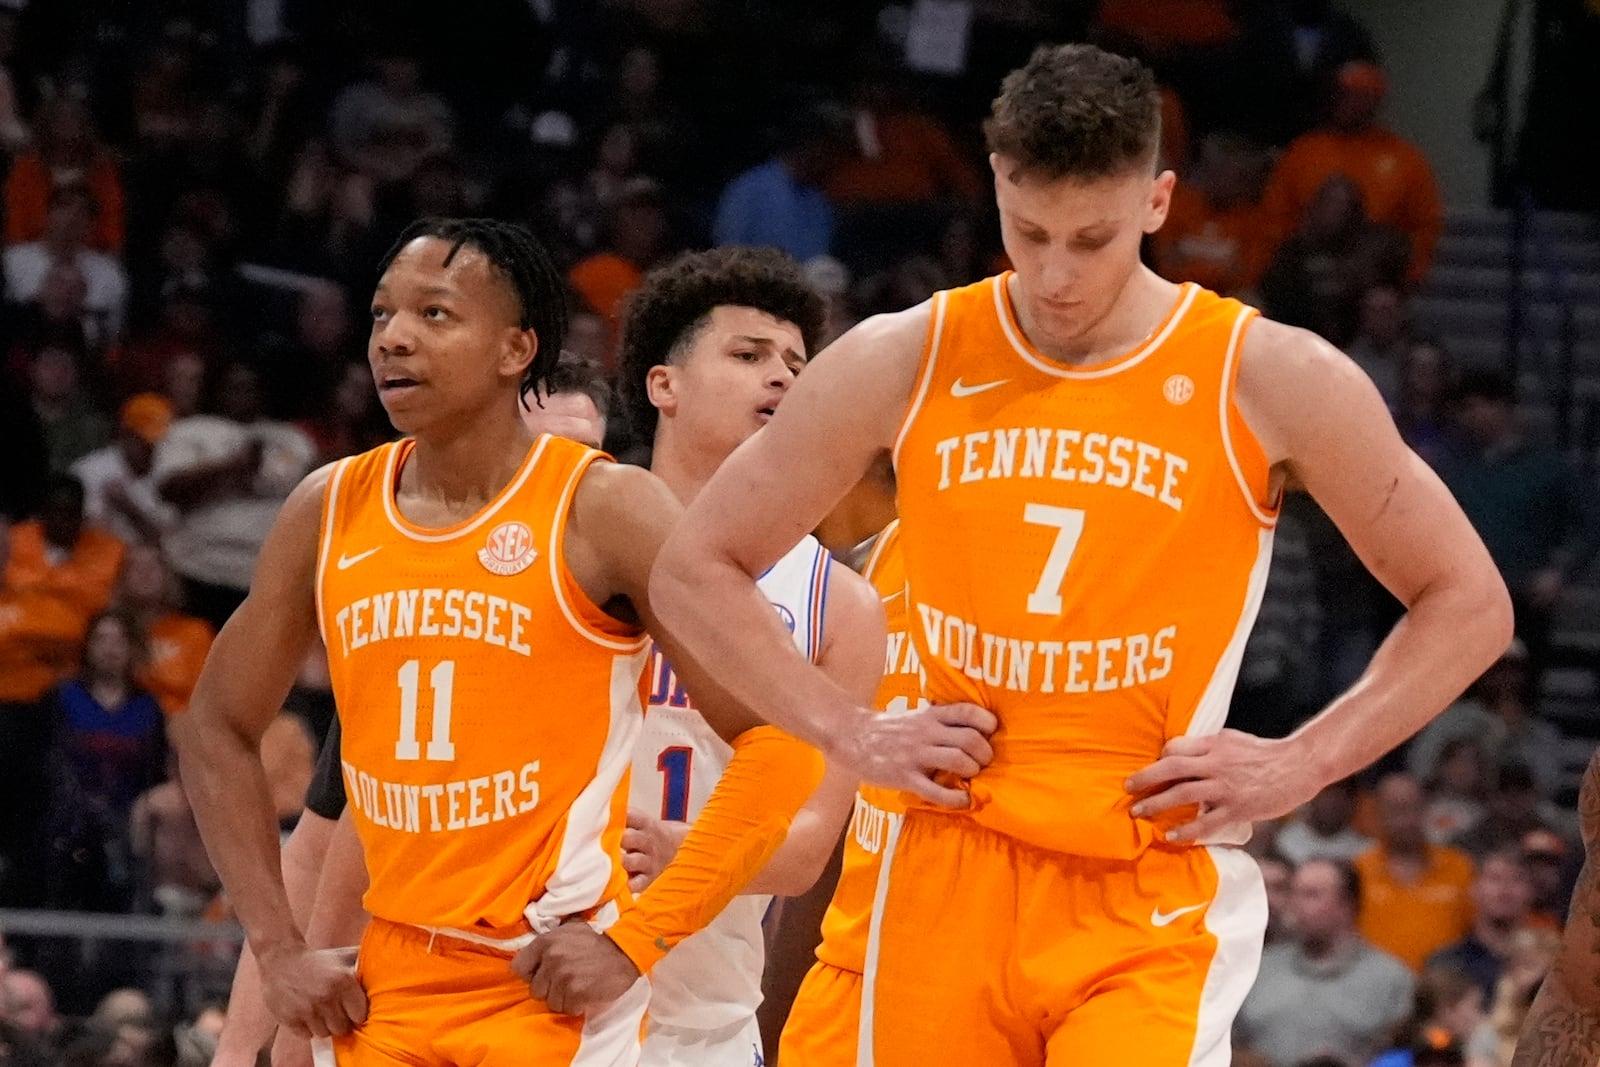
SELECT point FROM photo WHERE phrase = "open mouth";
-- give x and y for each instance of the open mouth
(390, 385)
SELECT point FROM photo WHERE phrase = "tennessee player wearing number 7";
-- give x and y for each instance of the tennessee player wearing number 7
(482, 595)
(1090, 461)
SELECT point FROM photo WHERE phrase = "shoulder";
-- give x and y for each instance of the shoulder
(1293, 386)
(1455, 862)
(1382, 965)
(613, 501)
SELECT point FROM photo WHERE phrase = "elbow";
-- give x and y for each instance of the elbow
(796, 878)
(1497, 619)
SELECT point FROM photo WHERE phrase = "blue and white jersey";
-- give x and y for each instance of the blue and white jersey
(713, 979)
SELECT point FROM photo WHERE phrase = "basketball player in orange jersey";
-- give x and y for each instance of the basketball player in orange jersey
(481, 595)
(1090, 461)
(573, 403)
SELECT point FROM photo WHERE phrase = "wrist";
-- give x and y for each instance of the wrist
(641, 948)
(270, 949)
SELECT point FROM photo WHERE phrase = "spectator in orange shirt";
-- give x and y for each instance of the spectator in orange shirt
(1395, 179)
(1416, 898)
(903, 155)
(58, 555)
(176, 644)
(638, 233)
(1214, 233)
(68, 153)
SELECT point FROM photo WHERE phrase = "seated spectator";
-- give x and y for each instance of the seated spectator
(55, 317)
(1326, 991)
(177, 643)
(1324, 829)
(903, 155)
(1457, 789)
(780, 202)
(1515, 809)
(176, 875)
(1549, 862)
(636, 236)
(1539, 522)
(327, 225)
(1422, 410)
(1502, 902)
(1396, 182)
(227, 473)
(1317, 275)
(185, 327)
(576, 403)
(60, 555)
(109, 746)
(65, 239)
(351, 420)
(1533, 951)
(1382, 339)
(1495, 713)
(1416, 897)
(1446, 1014)
(40, 637)
(383, 127)
(1276, 878)
(66, 416)
(118, 493)
(68, 153)
(1214, 233)
(27, 1003)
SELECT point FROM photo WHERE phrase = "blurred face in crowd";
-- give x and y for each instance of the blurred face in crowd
(1487, 420)
(1502, 891)
(70, 220)
(1318, 909)
(240, 398)
(1074, 244)
(1401, 806)
(572, 415)
(1426, 373)
(1276, 876)
(1334, 209)
(185, 379)
(1463, 771)
(727, 377)
(54, 376)
(589, 337)
(323, 319)
(108, 651)
(63, 292)
(639, 75)
(28, 1002)
(144, 576)
(1331, 810)
(1383, 314)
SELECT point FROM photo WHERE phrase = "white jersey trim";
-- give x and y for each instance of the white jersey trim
(1002, 310)
(935, 335)
(557, 561)
(1237, 918)
(1245, 315)
(391, 471)
(330, 520)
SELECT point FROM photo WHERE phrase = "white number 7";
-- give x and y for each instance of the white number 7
(1046, 596)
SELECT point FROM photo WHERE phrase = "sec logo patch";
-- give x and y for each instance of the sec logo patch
(509, 549)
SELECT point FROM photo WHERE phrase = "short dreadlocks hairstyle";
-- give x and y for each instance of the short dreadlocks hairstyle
(516, 253)
(1078, 112)
(674, 303)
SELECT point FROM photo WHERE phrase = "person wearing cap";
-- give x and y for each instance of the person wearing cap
(118, 492)
(1396, 181)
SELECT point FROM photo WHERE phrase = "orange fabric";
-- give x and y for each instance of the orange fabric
(1083, 551)
(1174, 131)
(27, 195)
(1164, 24)
(41, 639)
(1413, 921)
(489, 710)
(1223, 249)
(604, 281)
(1393, 175)
(178, 647)
(844, 926)
(825, 1022)
(85, 579)
(917, 160)
(994, 952)
(440, 1000)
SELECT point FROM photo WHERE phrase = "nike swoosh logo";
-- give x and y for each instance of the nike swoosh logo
(1159, 918)
(346, 562)
(958, 388)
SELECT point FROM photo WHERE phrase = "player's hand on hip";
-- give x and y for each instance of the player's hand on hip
(314, 992)
(575, 970)
(1235, 779)
(648, 845)
(905, 750)
(288, 1050)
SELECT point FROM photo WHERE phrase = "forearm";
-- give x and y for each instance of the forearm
(747, 818)
(813, 835)
(338, 918)
(1449, 637)
(1558, 1032)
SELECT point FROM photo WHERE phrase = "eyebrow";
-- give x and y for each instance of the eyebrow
(767, 342)
(426, 290)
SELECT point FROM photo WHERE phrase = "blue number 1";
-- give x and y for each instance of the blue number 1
(673, 763)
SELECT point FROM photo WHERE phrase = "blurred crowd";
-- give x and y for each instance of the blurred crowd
(195, 196)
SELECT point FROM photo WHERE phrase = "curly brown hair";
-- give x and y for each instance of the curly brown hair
(1076, 111)
(674, 303)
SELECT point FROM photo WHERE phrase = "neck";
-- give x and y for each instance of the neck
(470, 468)
(1143, 303)
(1494, 934)
(1406, 851)
(685, 470)
(101, 682)
(1325, 948)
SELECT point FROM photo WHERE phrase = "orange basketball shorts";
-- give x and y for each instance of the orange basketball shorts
(825, 1020)
(439, 1000)
(986, 950)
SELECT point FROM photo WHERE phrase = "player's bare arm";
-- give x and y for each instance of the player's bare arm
(1563, 1025)
(838, 417)
(246, 677)
(1322, 422)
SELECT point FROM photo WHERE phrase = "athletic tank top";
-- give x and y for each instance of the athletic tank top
(844, 925)
(1085, 552)
(489, 708)
(712, 979)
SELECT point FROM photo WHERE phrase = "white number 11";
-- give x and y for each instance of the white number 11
(443, 680)
(1068, 522)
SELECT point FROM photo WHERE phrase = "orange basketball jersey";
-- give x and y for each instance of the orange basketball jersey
(844, 926)
(1085, 552)
(489, 709)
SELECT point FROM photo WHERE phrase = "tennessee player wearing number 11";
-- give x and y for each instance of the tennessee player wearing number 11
(1090, 461)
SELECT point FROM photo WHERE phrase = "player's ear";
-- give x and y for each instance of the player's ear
(1160, 201)
(660, 386)
(518, 352)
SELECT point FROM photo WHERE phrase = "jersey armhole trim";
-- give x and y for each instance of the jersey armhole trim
(925, 378)
(570, 597)
(1229, 415)
(330, 517)
(880, 546)
(821, 572)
